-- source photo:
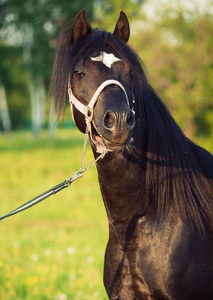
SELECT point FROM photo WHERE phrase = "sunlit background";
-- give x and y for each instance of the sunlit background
(173, 38)
(56, 249)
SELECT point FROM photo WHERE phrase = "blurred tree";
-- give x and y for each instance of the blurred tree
(33, 26)
(13, 77)
(176, 45)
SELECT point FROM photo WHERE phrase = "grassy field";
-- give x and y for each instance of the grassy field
(54, 250)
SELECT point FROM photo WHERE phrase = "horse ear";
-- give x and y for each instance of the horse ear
(122, 30)
(80, 26)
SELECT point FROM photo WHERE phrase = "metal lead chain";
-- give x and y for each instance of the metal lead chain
(84, 147)
(95, 161)
(80, 173)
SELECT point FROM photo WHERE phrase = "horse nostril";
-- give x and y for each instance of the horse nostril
(109, 120)
(130, 119)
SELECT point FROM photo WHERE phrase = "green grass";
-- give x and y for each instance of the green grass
(54, 250)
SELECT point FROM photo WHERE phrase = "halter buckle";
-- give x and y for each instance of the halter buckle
(89, 114)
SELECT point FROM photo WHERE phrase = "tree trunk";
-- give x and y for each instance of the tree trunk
(36, 86)
(37, 97)
(4, 112)
(53, 119)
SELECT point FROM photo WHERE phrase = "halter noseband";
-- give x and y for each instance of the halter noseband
(87, 110)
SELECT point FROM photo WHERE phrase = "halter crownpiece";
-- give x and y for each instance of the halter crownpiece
(87, 110)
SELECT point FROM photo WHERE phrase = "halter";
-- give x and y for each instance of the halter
(87, 110)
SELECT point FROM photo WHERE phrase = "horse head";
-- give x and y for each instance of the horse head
(100, 84)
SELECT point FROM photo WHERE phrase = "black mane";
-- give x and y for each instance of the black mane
(178, 172)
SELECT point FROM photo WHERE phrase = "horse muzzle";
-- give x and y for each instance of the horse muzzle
(117, 127)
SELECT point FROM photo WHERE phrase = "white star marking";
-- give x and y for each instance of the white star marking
(106, 58)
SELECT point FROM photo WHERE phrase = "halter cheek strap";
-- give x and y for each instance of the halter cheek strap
(88, 110)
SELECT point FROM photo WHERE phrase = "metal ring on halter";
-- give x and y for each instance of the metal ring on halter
(89, 114)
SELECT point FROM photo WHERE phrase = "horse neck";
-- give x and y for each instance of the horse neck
(121, 179)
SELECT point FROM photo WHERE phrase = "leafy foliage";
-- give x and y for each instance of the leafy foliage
(177, 49)
(175, 44)
(28, 36)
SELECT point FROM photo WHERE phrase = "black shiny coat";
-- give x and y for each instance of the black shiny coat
(158, 190)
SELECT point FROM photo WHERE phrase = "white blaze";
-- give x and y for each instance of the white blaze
(106, 58)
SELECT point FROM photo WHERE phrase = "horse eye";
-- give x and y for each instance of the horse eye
(79, 74)
(131, 74)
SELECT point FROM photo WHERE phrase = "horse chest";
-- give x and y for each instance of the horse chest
(132, 265)
(146, 263)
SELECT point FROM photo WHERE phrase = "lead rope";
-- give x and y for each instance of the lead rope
(64, 184)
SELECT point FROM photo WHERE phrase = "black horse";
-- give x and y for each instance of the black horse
(157, 185)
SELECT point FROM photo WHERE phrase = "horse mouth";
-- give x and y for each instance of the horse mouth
(102, 143)
(117, 146)
(97, 137)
